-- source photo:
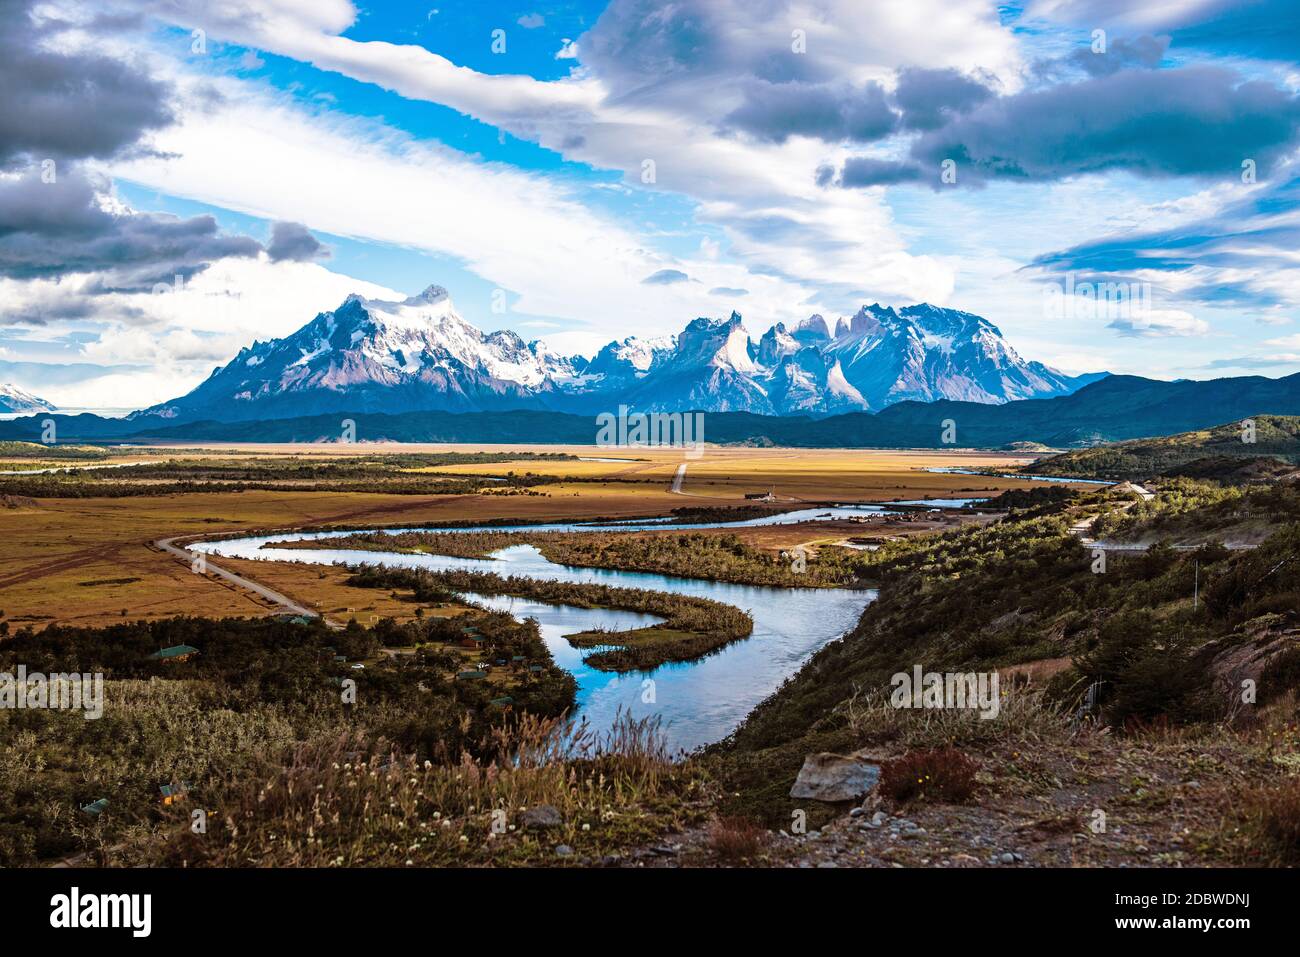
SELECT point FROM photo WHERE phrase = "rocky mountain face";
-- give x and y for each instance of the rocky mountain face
(419, 354)
(14, 399)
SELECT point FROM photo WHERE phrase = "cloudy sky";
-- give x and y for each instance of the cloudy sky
(180, 177)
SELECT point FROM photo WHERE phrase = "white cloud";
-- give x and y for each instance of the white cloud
(762, 194)
(175, 339)
(1160, 323)
(260, 154)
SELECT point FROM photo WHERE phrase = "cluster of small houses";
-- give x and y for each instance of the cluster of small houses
(474, 641)
(167, 793)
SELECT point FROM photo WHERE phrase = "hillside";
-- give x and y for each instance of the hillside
(1219, 453)
(1021, 597)
(1113, 409)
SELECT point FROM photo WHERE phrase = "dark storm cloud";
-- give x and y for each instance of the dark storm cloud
(930, 98)
(643, 43)
(862, 171)
(665, 277)
(777, 111)
(1122, 54)
(48, 230)
(58, 108)
(294, 242)
(1199, 121)
(68, 105)
(727, 63)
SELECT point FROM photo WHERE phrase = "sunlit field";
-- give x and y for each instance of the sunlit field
(91, 560)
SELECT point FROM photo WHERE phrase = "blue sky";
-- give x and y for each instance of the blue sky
(773, 157)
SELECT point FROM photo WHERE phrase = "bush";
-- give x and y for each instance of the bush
(943, 774)
(1273, 815)
(734, 838)
(1280, 675)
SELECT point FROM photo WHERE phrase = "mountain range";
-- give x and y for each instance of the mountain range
(1112, 409)
(416, 371)
(421, 355)
(14, 399)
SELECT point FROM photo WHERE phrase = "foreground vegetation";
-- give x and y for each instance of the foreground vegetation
(257, 690)
(350, 801)
(1160, 640)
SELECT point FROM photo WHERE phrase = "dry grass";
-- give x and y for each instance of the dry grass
(1024, 718)
(346, 802)
(1271, 816)
(324, 588)
(726, 474)
(942, 774)
(734, 839)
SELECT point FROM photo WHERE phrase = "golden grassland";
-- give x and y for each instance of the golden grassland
(324, 589)
(88, 561)
(720, 472)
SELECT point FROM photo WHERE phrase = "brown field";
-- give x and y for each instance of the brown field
(91, 561)
(724, 473)
(323, 589)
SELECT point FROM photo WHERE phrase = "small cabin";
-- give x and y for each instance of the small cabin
(171, 793)
(174, 653)
(470, 675)
(95, 808)
(768, 496)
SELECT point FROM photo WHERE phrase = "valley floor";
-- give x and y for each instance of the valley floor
(92, 559)
(1049, 787)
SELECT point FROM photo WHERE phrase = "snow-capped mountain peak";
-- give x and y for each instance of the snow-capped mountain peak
(431, 294)
(14, 399)
(419, 353)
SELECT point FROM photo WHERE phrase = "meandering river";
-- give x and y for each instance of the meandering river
(699, 702)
